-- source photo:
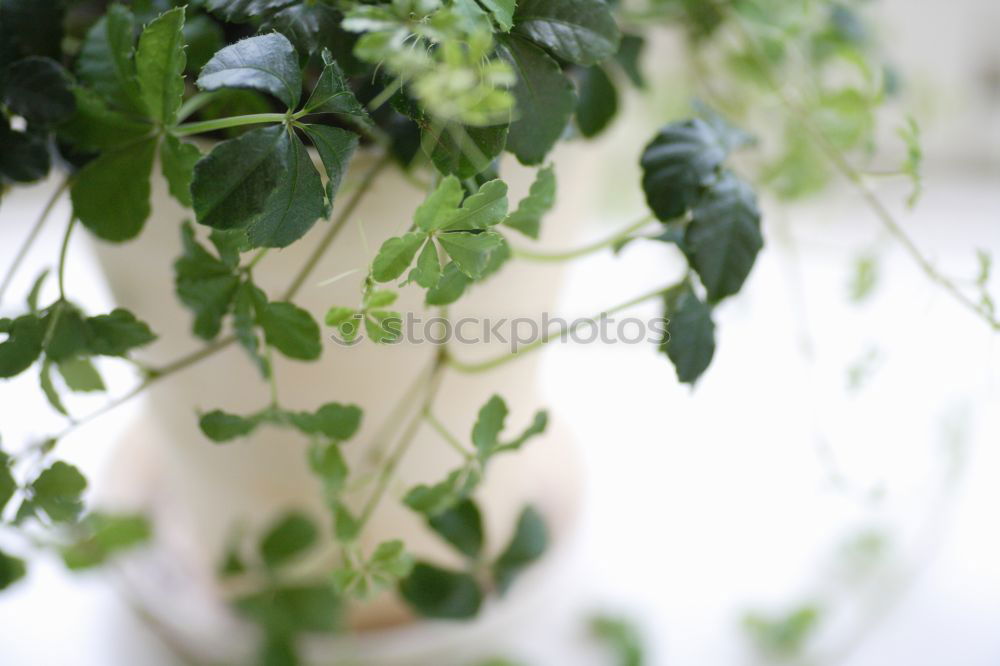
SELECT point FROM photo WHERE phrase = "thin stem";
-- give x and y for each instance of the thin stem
(447, 436)
(194, 104)
(490, 364)
(62, 257)
(531, 255)
(272, 381)
(32, 236)
(224, 123)
(256, 260)
(335, 228)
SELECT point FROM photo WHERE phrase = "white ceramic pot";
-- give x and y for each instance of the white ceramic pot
(199, 493)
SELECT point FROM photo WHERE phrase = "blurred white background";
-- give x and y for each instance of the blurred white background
(747, 493)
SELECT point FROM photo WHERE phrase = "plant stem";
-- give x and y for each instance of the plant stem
(193, 104)
(447, 436)
(531, 255)
(62, 257)
(490, 364)
(224, 123)
(32, 236)
(256, 260)
(366, 182)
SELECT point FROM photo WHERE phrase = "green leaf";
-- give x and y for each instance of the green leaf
(335, 147)
(7, 483)
(784, 636)
(622, 637)
(292, 331)
(204, 284)
(111, 194)
(117, 333)
(33, 26)
(177, 159)
(597, 101)
(105, 61)
(438, 593)
(545, 100)
(57, 491)
(333, 420)
(396, 255)
(102, 537)
(432, 500)
(333, 94)
(241, 11)
(220, 426)
(529, 542)
(95, 127)
(461, 526)
(287, 539)
(345, 526)
(39, 90)
(12, 569)
(538, 425)
(68, 336)
(311, 27)
(682, 159)
(428, 271)
(541, 198)
(233, 184)
(80, 375)
(466, 151)
(296, 203)
(381, 298)
(482, 210)
(723, 237)
(36, 288)
(290, 609)
(489, 425)
(49, 389)
(471, 251)
(579, 31)
(440, 205)
(159, 63)
(24, 156)
(450, 287)
(248, 302)
(502, 11)
(383, 327)
(267, 63)
(690, 336)
(389, 563)
(729, 136)
(327, 462)
(22, 346)
(629, 57)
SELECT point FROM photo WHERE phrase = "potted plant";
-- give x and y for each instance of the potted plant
(279, 189)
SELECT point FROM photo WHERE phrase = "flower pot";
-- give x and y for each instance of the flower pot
(200, 494)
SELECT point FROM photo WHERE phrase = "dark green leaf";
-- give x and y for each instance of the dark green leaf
(545, 100)
(731, 137)
(295, 204)
(24, 156)
(690, 334)
(33, 27)
(467, 151)
(629, 56)
(68, 336)
(396, 255)
(287, 539)
(22, 346)
(117, 333)
(103, 536)
(160, 62)
(220, 426)
(36, 288)
(309, 26)
(439, 593)
(579, 31)
(471, 251)
(80, 375)
(12, 569)
(597, 101)
(7, 483)
(288, 610)
(450, 288)
(177, 159)
(461, 526)
(267, 63)
(292, 331)
(432, 500)
(723, 237)
(204, 284)
(333, 420)
(248, 302)
(682, 159)
(203, 37)
(95, 127)
(57, 491)
(541, 198)
(111, 194)
(105, 60)
(333, 94)
(335, 147)
(529, 542)
(38, 89)
(233, 184)
(240, 11)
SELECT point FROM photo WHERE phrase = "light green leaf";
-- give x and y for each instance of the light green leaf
(489, 425)
(387, 565)
(177, 160)
(220, 426)
(690, 334)
(334, 420)
(159, 63)
(450, 287)
(57, 491)
(111, 194)
(482, 210)
(287, 539)
(471, 251)
(383, 327)
(441, 204)
(432, 500)
(529, 542)
(328, 463)
(541, 198)
(438, 593)
(81, 375)
(103, 536)
(428, 271)
(267, 63)
(579, 31)
(292, 331)
(461, 526)
(502, 11)
(396, 255)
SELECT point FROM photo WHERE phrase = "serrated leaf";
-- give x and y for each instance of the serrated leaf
(204, 284)
(111, 194)
(177, 160)
(466, 151)
(528, 544)
(690, 334)
(438, 593)
(450, 287)
(578, 31)
(461, 526)
(117, 333)
(159, 63)
(545, 100)
(470, 251)
(96, 127)
(295, 204)
(220, 426)
(482, 210)
(267, 63)
(57, 491)
(502, 11)
(335, 147)
(723, 238)
(489, 425)
(333, 94)
(428, 271)
(682, 159)
(80, 375)
(541, 198)
(396, 255)
(22, 346)
(248, 302)
(39, 90)
(287, 539)
(292, 331)
(597, 102)
(105, 61)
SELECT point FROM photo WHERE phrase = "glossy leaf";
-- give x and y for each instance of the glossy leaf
(682, 159)
(578, 31)
(39, 90)
(597, 102)
(267, 63)
(295, 204)
(690, 334)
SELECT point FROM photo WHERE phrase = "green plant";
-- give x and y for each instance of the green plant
(438, 89)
